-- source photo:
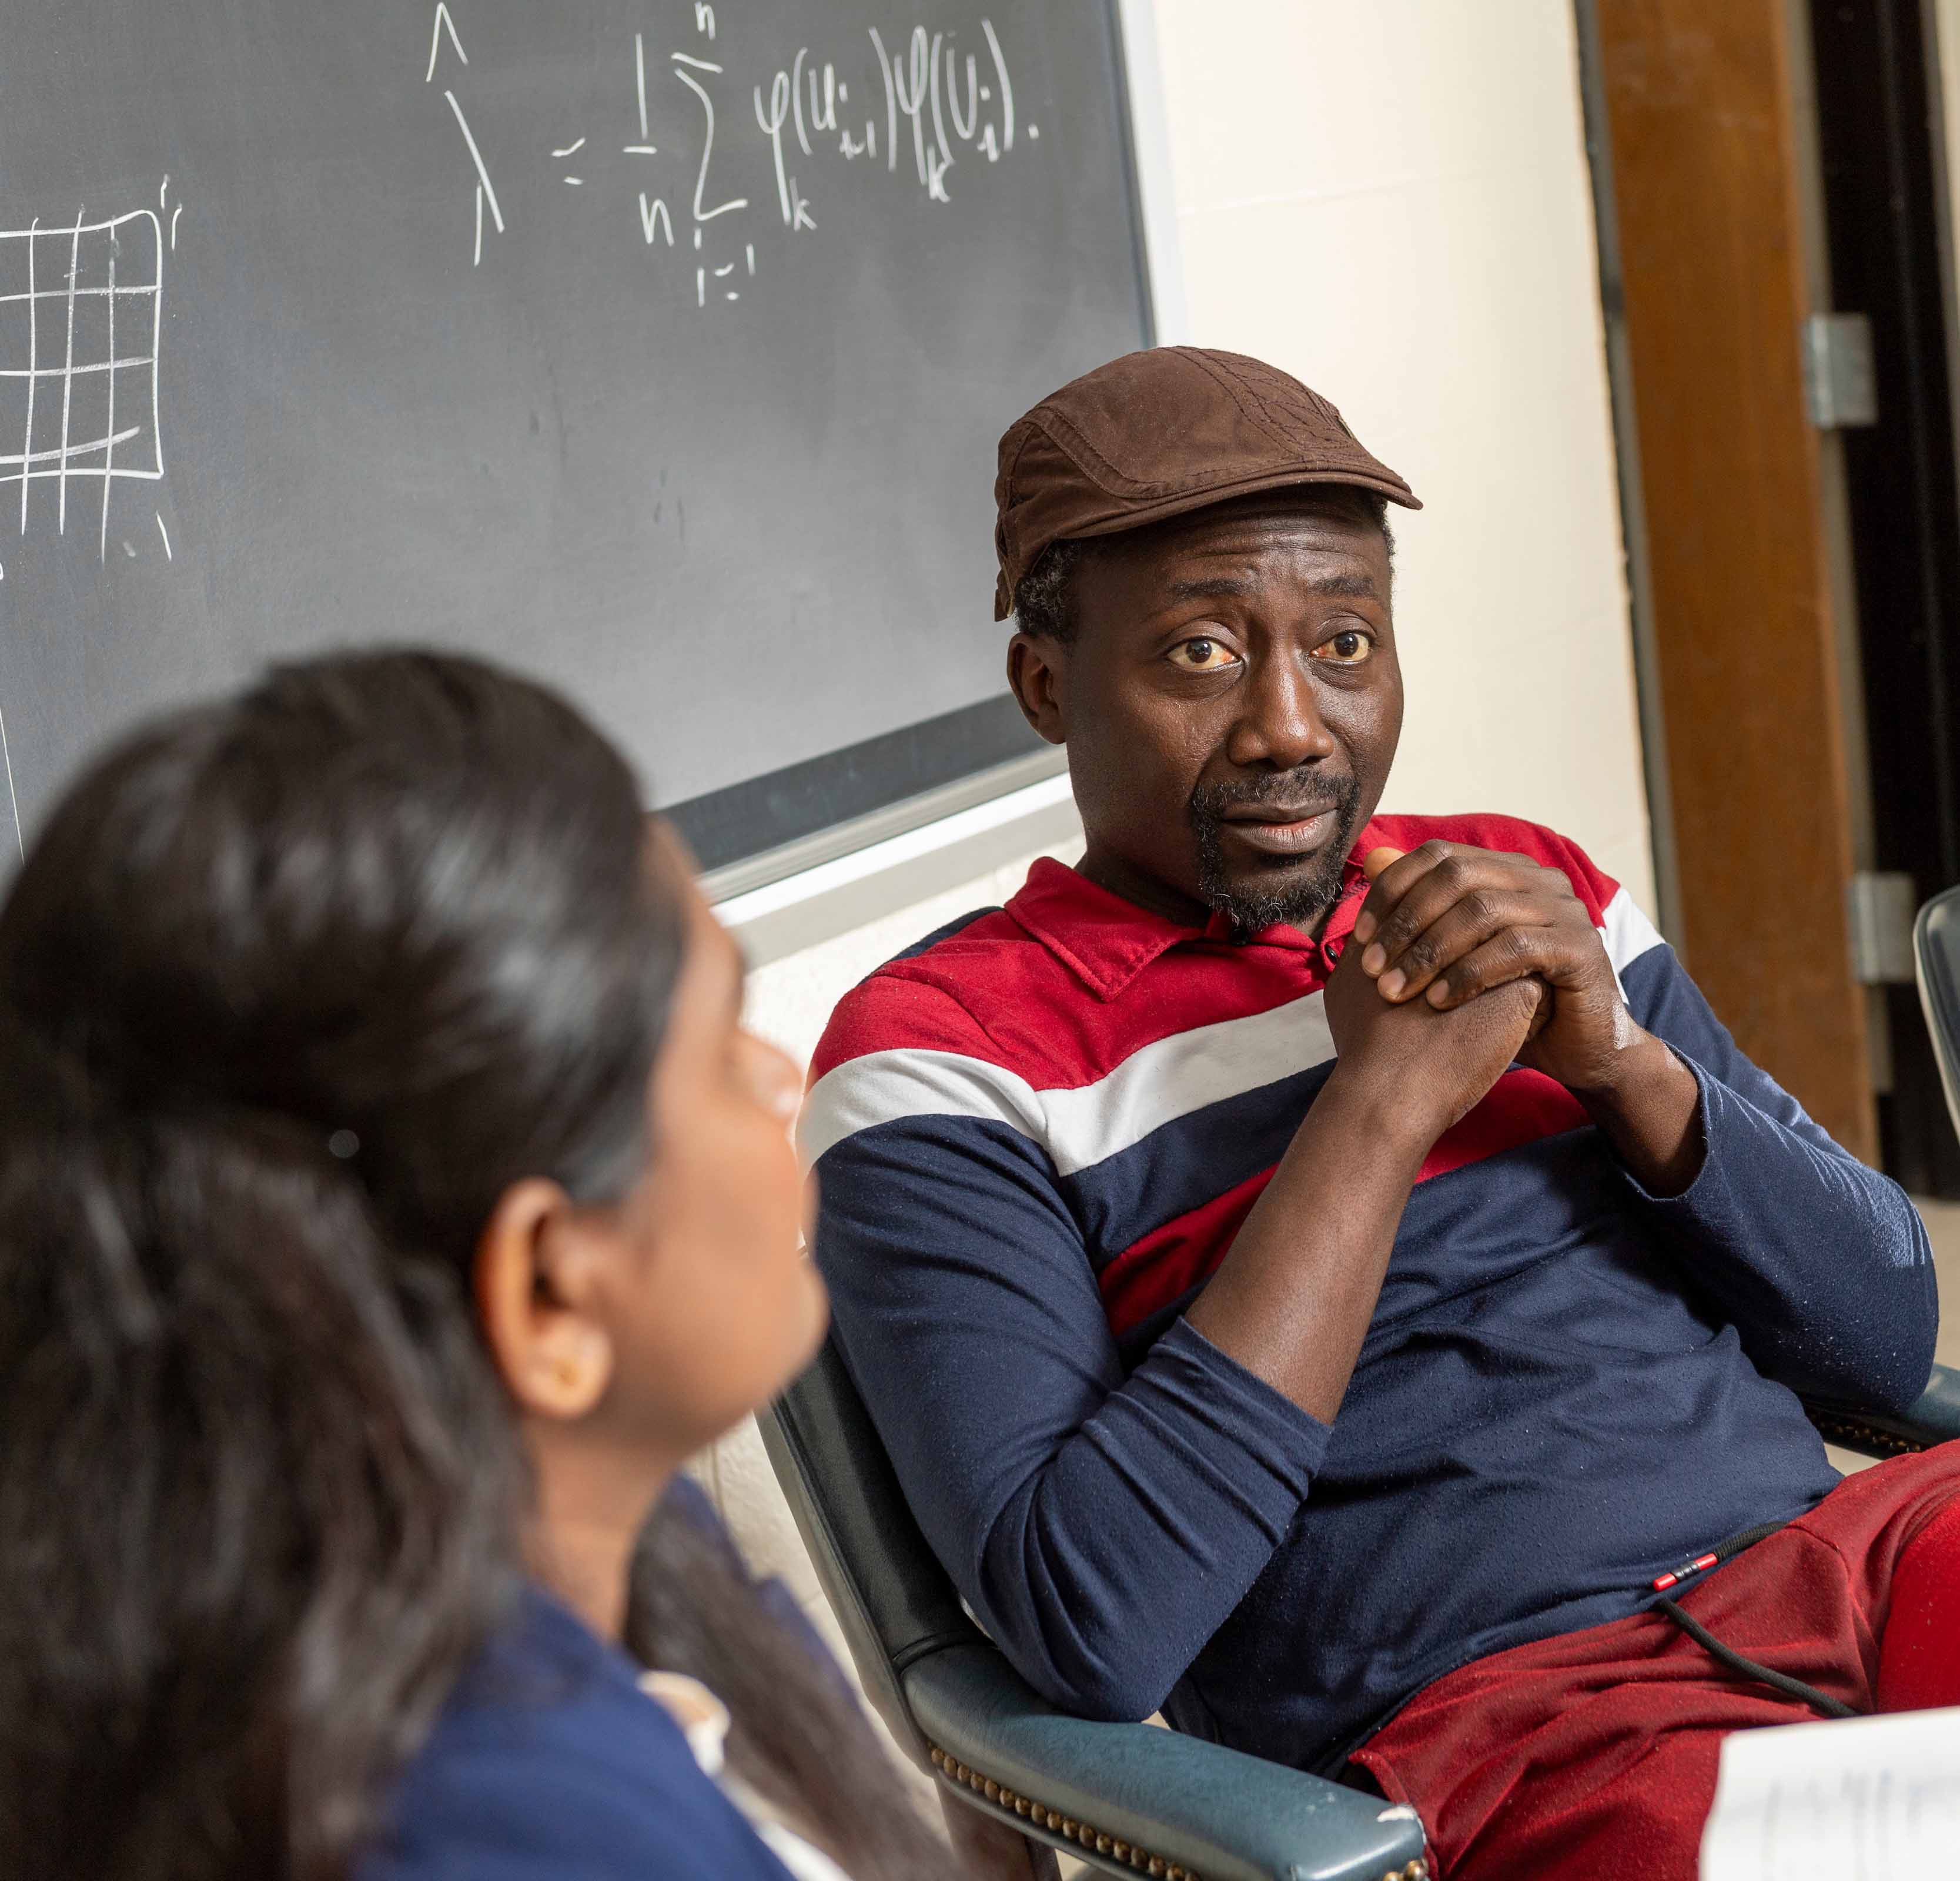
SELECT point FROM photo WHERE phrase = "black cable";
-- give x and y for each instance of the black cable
(1818, 1701)
(1734, 1545)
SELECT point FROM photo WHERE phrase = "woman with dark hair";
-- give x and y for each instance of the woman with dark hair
(390, 1201)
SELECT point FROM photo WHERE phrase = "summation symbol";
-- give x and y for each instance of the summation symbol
(80, 316)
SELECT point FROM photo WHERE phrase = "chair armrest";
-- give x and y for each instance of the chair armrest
(1123, 1796)
(1933, 1417)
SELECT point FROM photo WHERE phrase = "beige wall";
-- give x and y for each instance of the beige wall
(1391, 200)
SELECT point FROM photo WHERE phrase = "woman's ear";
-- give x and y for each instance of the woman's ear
(539, 1285)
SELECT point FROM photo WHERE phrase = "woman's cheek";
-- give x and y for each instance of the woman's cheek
(792, 1228)
(817, 1310)
(775, 1177)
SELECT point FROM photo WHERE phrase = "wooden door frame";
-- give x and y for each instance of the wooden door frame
(1709, 255)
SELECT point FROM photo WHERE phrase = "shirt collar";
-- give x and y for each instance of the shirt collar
(1106, 941)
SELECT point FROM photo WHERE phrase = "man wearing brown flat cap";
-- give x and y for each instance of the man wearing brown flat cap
(1329, 1276)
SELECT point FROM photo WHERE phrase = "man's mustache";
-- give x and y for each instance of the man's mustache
(1306, 788)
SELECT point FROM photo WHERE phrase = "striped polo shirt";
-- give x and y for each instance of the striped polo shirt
(1036, 1134)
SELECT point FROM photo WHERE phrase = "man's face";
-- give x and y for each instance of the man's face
(1230, 701)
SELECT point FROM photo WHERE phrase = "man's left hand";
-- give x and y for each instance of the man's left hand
(1448, 921)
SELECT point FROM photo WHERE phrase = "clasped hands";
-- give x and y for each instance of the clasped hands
(1464, 960)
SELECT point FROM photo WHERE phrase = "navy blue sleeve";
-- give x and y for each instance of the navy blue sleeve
(1821, 1264)
(1101, 1527)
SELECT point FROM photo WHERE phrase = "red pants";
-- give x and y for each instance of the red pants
(1594, 1754)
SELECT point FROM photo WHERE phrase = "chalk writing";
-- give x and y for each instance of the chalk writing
(443, 24)
(82, 302)
(914, 100)
(13, 797)
(486, 191)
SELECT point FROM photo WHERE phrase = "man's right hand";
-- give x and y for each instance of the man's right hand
(1416, 1068)
(1292, 1299)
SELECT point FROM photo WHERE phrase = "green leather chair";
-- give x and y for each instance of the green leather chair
(1126, 1799)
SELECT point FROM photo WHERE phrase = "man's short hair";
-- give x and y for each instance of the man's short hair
(1044, 600)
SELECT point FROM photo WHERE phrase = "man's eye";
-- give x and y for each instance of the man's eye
(1202, 655)
(1348, 648)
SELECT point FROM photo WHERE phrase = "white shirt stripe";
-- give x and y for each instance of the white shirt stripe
(883, 1087)
(1082, 1126)
(1628, 933)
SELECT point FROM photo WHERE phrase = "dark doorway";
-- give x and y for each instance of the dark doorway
(1878, 114)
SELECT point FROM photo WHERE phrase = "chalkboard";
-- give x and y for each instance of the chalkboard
(658, 347)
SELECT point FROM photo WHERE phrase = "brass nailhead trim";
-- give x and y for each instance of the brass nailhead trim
(1068, 1827)
(1071, 1830)
(1845, 1431)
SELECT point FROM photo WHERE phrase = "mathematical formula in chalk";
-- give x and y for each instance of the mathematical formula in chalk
(915, 103)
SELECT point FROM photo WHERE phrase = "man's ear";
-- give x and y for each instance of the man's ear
(1037, 674)
(538, 1283)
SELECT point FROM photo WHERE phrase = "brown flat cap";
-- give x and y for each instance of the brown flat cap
(1156, 434)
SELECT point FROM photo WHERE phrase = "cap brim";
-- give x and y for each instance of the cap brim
(1185, 501)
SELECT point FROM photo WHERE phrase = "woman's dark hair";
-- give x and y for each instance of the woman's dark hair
(292, 988)
(798, 1738)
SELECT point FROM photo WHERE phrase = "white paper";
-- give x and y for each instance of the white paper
(1869, 1798)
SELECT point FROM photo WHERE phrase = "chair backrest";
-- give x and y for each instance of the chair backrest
(891, 1596)
(1935, 945)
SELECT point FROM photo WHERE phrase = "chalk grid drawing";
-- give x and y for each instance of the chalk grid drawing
(81, 318)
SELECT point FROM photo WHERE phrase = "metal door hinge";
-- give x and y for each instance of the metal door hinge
(1841, 387)
(1881, 908)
